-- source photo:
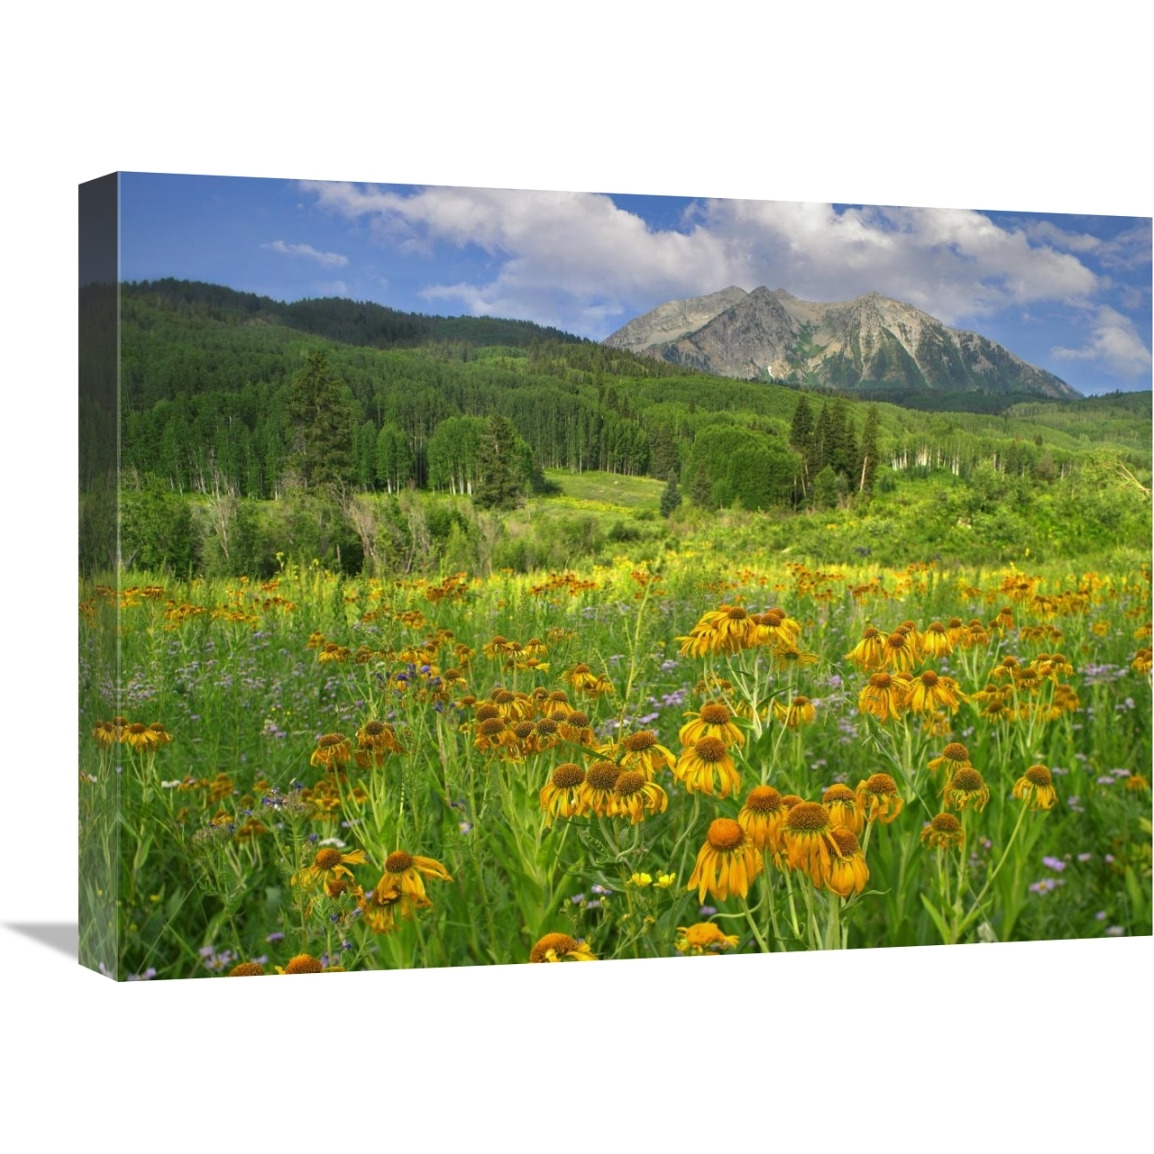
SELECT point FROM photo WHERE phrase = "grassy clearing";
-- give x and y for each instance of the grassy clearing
(621, 492)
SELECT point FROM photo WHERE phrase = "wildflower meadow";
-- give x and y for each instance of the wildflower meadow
(320, 772)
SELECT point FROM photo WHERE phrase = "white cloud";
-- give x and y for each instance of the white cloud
(1114, 345)
(307, 250)
(579, 261)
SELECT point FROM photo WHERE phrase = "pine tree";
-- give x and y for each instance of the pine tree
(801, 428)
(670, 497)
(320, 426)
(701, 487)
(497, 485)
(822, 453)
(663, 459)
(869, 451)
(842, 452)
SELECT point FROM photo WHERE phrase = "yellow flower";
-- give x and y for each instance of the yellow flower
(562, 797)
(557, 703)
(879, 798)
(944, 832)
(642, 751)
(329, 865)
(106, 733)
(406, 872)
(699, 765)
(635, 796)
(713, 719)
(869, 652)
(665, 881)
(930, 692)
(955, 630)
(302, 964)
(586, 682)
(799, 712)
(976, 634)
(511, 706)
(159, 735)
(704, 938)
(789, 656)
(493, 733)
(246, 970)
(641, 880)
(936, 641)
(595, 793)
(375, 741)
(841, 802)
(138, 736)
(561, 948)
(966, 788)
(574, 726)
(763, 816)
(848, 872)
(953, 757)
(1143, 661)
(807, 845)
(381, 905)
(1036, 788)
(899, 651)
(728, 629)
(332, 749)
(775, 629)
(883, 697)
(727, 863)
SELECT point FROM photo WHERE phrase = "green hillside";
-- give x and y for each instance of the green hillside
(235, 399)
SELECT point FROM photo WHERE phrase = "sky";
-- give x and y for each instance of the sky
(1070, 294)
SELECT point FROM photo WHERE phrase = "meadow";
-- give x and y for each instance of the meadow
(708, 750)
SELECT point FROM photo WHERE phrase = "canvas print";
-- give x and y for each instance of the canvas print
(476, 576)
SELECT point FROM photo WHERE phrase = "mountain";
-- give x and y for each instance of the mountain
(871, 345)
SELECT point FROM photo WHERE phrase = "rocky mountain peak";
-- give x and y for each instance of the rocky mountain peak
(872, 342)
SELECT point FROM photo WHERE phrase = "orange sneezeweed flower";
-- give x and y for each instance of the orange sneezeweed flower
(562, 796)
(713, 719)
(706, 760)
(763, 816)
(727, 863)
(1036, 788)
(883, 697)
(879, 799)
(841, 802)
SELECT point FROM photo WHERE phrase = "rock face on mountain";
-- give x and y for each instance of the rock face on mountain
(868, 343)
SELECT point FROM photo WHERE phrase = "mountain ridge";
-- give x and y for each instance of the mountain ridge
(870, 343)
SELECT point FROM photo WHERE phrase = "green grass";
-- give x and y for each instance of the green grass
(626, 493)
(214, 827)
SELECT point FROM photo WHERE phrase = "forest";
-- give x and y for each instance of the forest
(242, 419)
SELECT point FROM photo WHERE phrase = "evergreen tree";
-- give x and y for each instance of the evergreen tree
(822, 453)
(843, 454)
(663, 457)
(498, 486)
(869, 451)
(825, 489)
(801, 428)
(701, 487)
(670, 497)
(320, 426)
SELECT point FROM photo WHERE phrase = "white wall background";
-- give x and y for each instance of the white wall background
(969, 106)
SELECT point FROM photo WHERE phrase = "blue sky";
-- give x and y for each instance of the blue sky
(1071, 294)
